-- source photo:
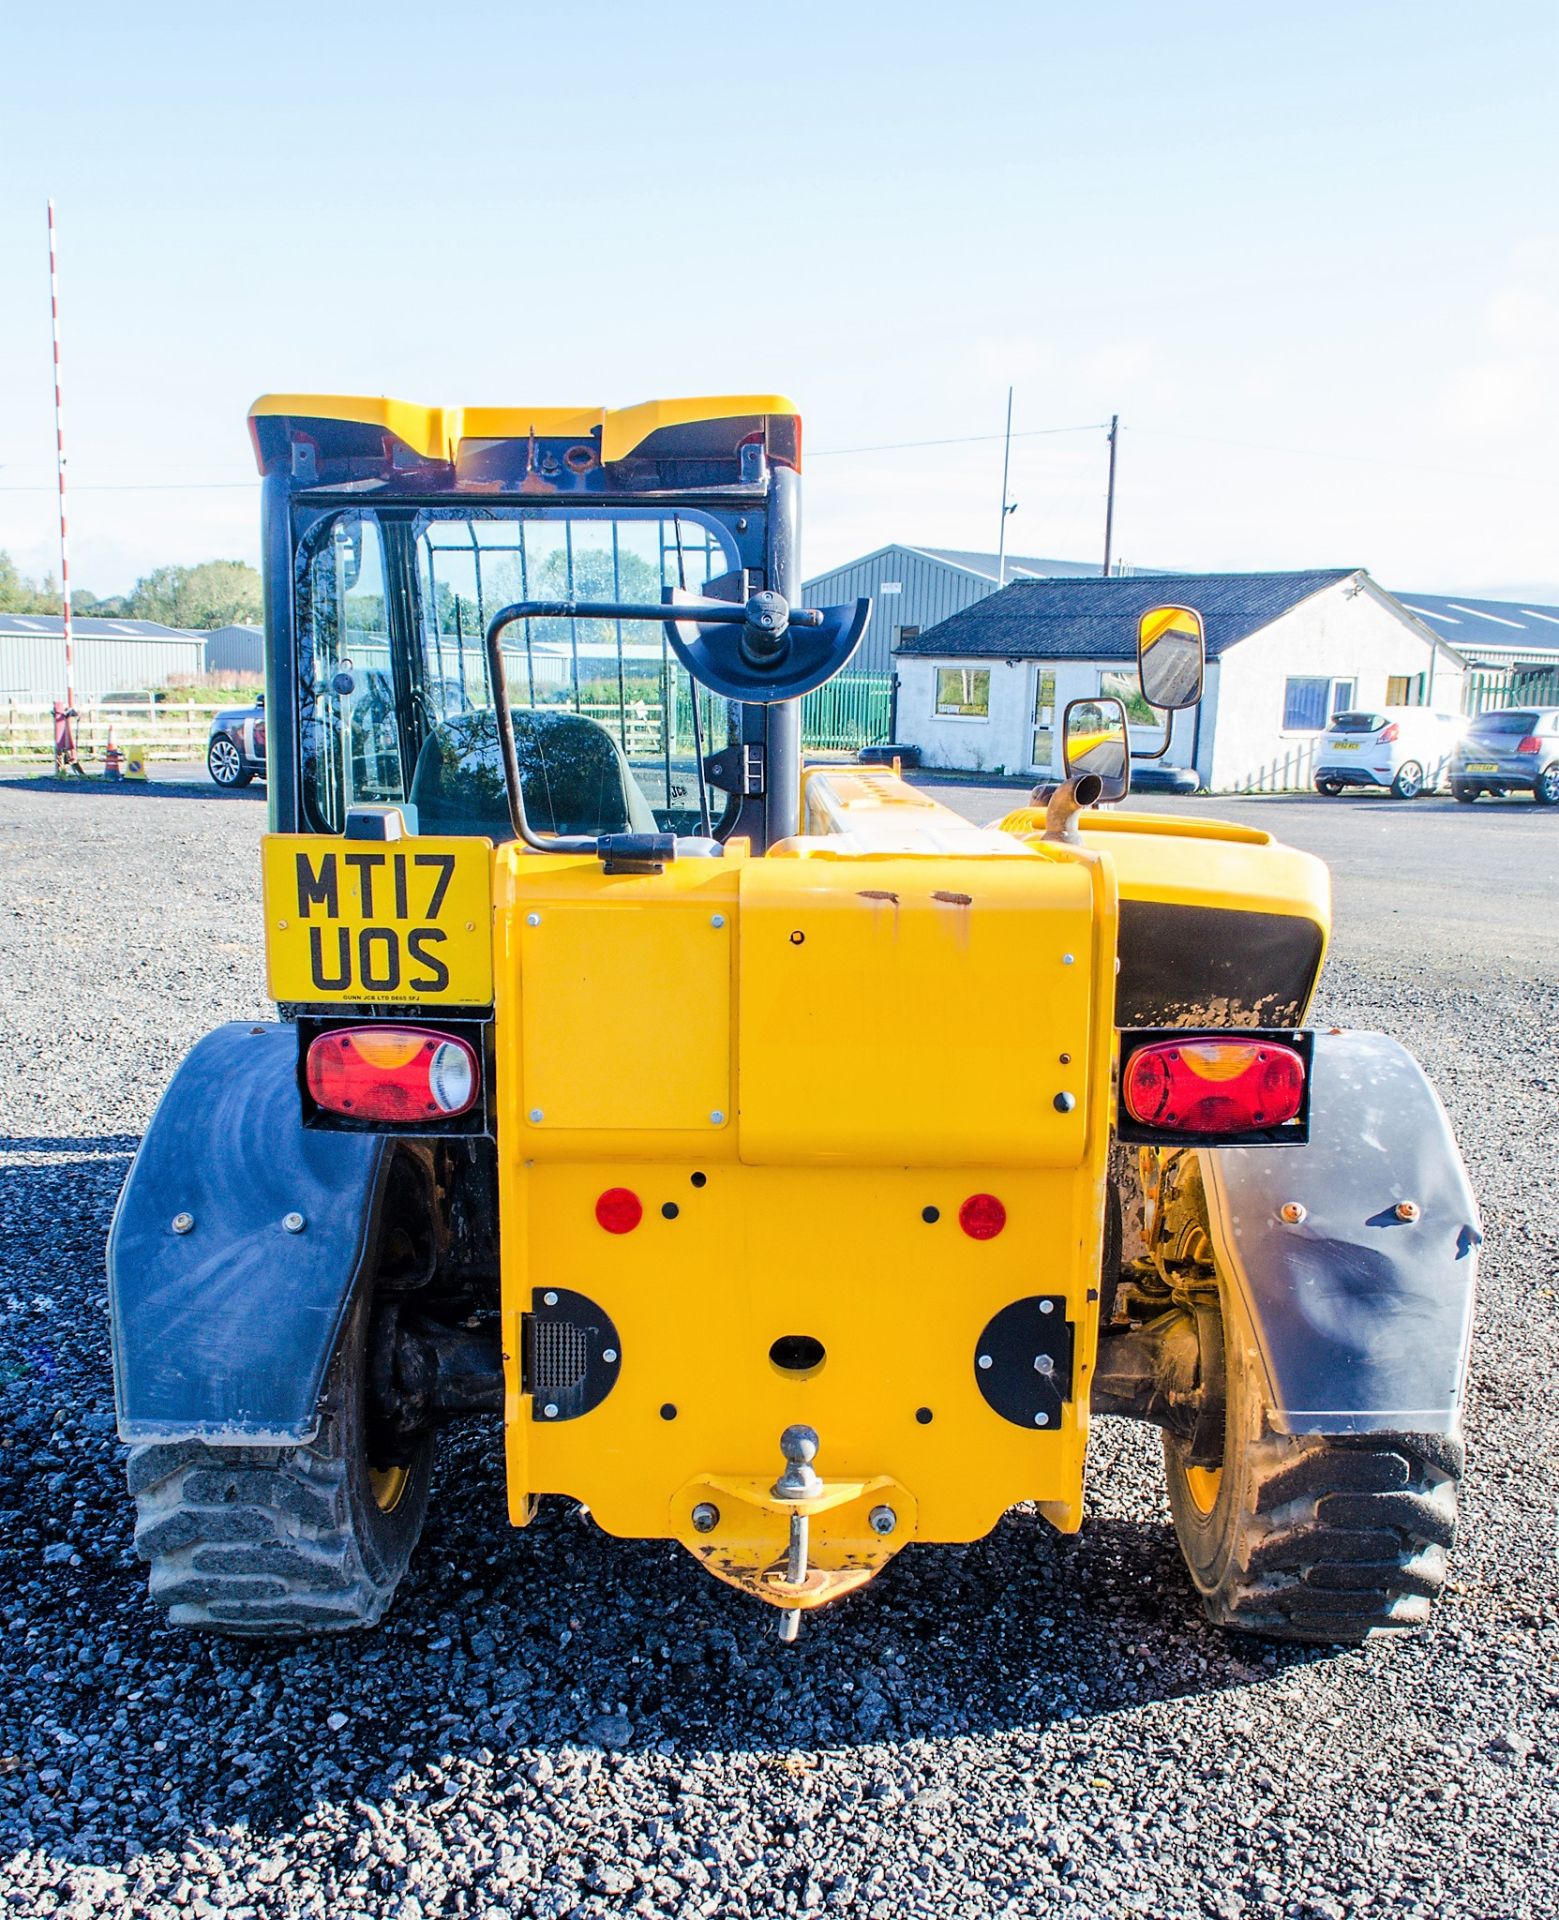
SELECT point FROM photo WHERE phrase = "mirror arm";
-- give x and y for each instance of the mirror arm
(1158, 752)
(498, 680)
(719, 613)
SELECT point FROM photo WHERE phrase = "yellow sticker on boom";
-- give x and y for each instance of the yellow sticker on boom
(402, 920)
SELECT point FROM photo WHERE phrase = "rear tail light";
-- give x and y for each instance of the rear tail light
(1214, 1085)
(1389, 732)
(392, 1074)
(1531, 744)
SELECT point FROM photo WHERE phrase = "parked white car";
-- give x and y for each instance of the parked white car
(1407, 749)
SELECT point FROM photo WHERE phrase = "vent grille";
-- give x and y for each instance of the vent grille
(560, 1355)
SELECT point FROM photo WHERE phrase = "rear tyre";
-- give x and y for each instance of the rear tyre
(1409, 783)
(1462, 792)
(1329, 1539)
(272, 1541)
(1545, 789)
(225, 764)
(1331, 788)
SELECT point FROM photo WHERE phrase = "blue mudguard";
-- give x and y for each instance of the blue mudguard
(1362, 1317)
(223, 1331)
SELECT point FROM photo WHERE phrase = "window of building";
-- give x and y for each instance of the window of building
(1044, 717)
(963, 693)
(909, 633)
(1126, 688)
(1309, 702)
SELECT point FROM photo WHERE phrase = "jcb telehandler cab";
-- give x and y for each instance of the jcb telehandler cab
(793, 1166)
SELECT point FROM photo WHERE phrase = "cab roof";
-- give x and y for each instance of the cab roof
(437, 433)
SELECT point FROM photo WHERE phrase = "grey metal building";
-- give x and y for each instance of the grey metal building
(112, 656)
(1492, 633)
(912, 588)
(235, 650)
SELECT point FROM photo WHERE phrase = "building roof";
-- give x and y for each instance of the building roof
(1478, 627)
(1096, 619)
(85, 627)
(1018, 564)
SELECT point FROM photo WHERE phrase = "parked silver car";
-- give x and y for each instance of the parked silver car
(1510, 749)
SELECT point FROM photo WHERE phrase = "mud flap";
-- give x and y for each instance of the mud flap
(1356, 1255)
(235, 1248)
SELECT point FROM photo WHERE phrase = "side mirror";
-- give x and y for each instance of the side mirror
(1093, 740)
(1171, 650)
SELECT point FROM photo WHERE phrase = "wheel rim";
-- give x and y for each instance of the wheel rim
(1409, 780)
(1550, 784)
(387, 1485)
(1203, 1485)
(223, 761)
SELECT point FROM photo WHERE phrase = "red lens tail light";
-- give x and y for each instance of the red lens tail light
(1389, 732)
(392, 1074)
(1214, 1085)
(1531, 744)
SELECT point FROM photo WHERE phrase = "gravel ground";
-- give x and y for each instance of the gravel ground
(551, 1723)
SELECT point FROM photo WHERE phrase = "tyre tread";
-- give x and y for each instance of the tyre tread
(252, 1540)
(1346, 1538)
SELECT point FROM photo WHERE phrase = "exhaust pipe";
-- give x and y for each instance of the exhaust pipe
(1066, 803)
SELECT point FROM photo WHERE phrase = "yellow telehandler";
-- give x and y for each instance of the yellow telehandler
(794, 1166)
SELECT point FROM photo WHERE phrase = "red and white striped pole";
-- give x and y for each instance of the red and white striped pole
(64, 739)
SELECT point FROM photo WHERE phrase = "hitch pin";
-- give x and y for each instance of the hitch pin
(799, 1481)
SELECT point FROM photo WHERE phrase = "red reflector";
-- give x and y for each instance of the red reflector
(392, 1074)
(1214, 1086)
(982, 1216)
(1531, 744)
(619, 1210)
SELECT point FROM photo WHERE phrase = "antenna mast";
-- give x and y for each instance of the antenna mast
(1001, 544)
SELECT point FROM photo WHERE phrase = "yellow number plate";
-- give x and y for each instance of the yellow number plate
(405, 920)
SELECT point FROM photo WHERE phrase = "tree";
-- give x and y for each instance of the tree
(18, 594)
(217, 593)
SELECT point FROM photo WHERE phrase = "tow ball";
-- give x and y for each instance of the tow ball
(799, 1481)
(760, 1536)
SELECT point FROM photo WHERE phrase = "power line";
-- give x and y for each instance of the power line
(146, 486)
(959, 440)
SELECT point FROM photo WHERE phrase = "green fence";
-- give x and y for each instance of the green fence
(851, 711)
(1510, 687)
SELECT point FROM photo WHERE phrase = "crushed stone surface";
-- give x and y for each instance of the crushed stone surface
(554, 1723)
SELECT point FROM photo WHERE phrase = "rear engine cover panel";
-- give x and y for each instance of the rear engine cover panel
(906, 1012)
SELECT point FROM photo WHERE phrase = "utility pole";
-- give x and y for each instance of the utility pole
(1109, 500)
(1006, 459)
(64, 732)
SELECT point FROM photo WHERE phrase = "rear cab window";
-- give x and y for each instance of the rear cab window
(1356, 723)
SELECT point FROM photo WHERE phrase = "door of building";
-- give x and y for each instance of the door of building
(1044, 746)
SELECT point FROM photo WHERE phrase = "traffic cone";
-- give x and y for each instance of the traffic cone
(113, 759)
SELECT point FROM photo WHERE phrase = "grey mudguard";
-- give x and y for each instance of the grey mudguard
(224, 1332)
(1363, 1318)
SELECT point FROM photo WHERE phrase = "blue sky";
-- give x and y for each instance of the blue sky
(1310, 256)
